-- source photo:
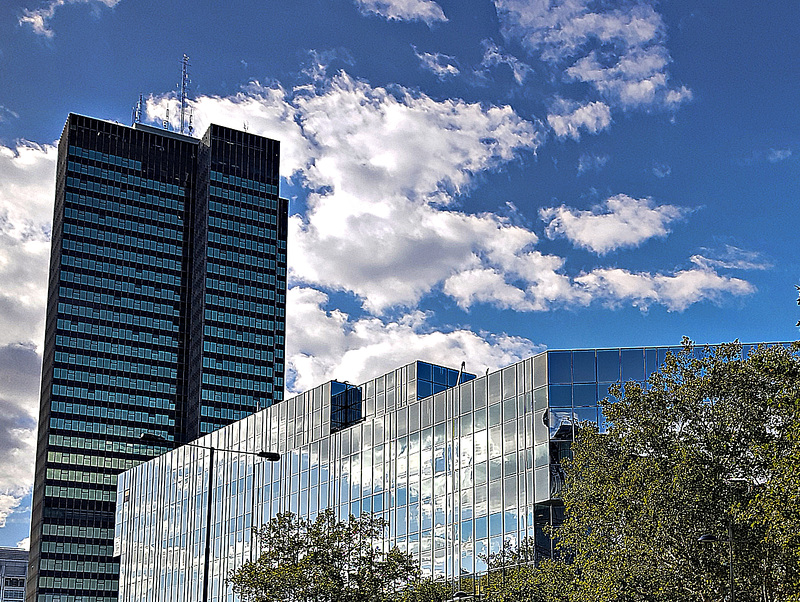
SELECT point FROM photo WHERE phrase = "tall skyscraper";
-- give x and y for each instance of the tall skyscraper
(165, 315)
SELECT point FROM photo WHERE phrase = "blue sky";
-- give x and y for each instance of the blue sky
(469, 179)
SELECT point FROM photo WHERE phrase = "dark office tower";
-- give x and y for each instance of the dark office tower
(165, 315)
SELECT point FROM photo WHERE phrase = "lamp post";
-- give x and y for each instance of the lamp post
(266, 455)
(709, 538)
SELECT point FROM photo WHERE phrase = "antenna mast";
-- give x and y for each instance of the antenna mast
(184, 89)
(137, 110)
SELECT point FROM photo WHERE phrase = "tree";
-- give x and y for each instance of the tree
(324, 560)
(711, 443)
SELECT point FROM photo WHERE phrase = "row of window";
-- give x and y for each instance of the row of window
(111, 237)
(256, 260)
(79, 493)
(114, 447)
(229, 319)
(229, 334)
(130, 351)
(104, 363)
(73, 376)
(240, 383)
(255, 231)
(116, 333)
(77, 151)
(232, 180)
(98, 428)
(111, 413)
(227, 413)
(125, 193)
(136, 305)
(80, 476)
(150, 221)
(77, 531)
(122, 255)
(240, 212)
(76, 459)
(249, 243)
(129, 179)
(116, 317)
(257, 353)
(112, 397)
(260, 202)
(124, 286)
(237, 367)
(126, 271)
(84, 549)
(244, 305)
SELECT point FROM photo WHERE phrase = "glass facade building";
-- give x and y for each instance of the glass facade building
(168, 268)
(13, 568)
(455, 469)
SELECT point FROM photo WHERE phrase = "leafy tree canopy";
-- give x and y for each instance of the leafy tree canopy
(327, 560)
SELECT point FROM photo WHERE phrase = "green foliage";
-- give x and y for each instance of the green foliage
(325, 560)
(712, 440)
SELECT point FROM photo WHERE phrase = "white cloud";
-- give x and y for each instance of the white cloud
(620, 221)
(24, 544)
(568, 119)
(493, 56)
(591, 162)
(732, 258)
(26, 211)
(427, 11)
(676, 292)
(325, 344)
(776, 155)
(441, 65)
(570, 34)
(39, 19)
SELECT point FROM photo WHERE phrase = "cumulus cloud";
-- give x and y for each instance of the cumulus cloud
(39, 19)
(24, 544)
(617, 48)
(384, 170)
(569, 118)
(26, 211)
(323, 344)
(427, 11)
(620, 221)
(441, 65)
(676, 291)
(661, 170)
(591, 162)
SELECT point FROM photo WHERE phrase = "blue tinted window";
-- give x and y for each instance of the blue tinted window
(608, 366)
(585, 414)
(424, 389)
(632, 364)
(583, 367)
(560, 396)
(559, 367)
(585, 395)
(424, 371)
(650, 361)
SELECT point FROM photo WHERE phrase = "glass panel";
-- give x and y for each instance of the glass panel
(540, 370)
(494, 387)
(509, 382)
(540, 398)
(559, 368)
(585, 414)
(608, 366)
(650, 361)
(584, 395)
(480, 393)
(560, 396)
(633, 364)
(583, 367)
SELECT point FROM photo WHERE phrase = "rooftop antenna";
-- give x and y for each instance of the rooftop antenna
(165, 123)
(191, 127)
(137, 110)
(184, 85)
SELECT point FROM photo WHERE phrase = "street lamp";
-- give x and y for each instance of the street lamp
(266, 455)
(709, 538)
